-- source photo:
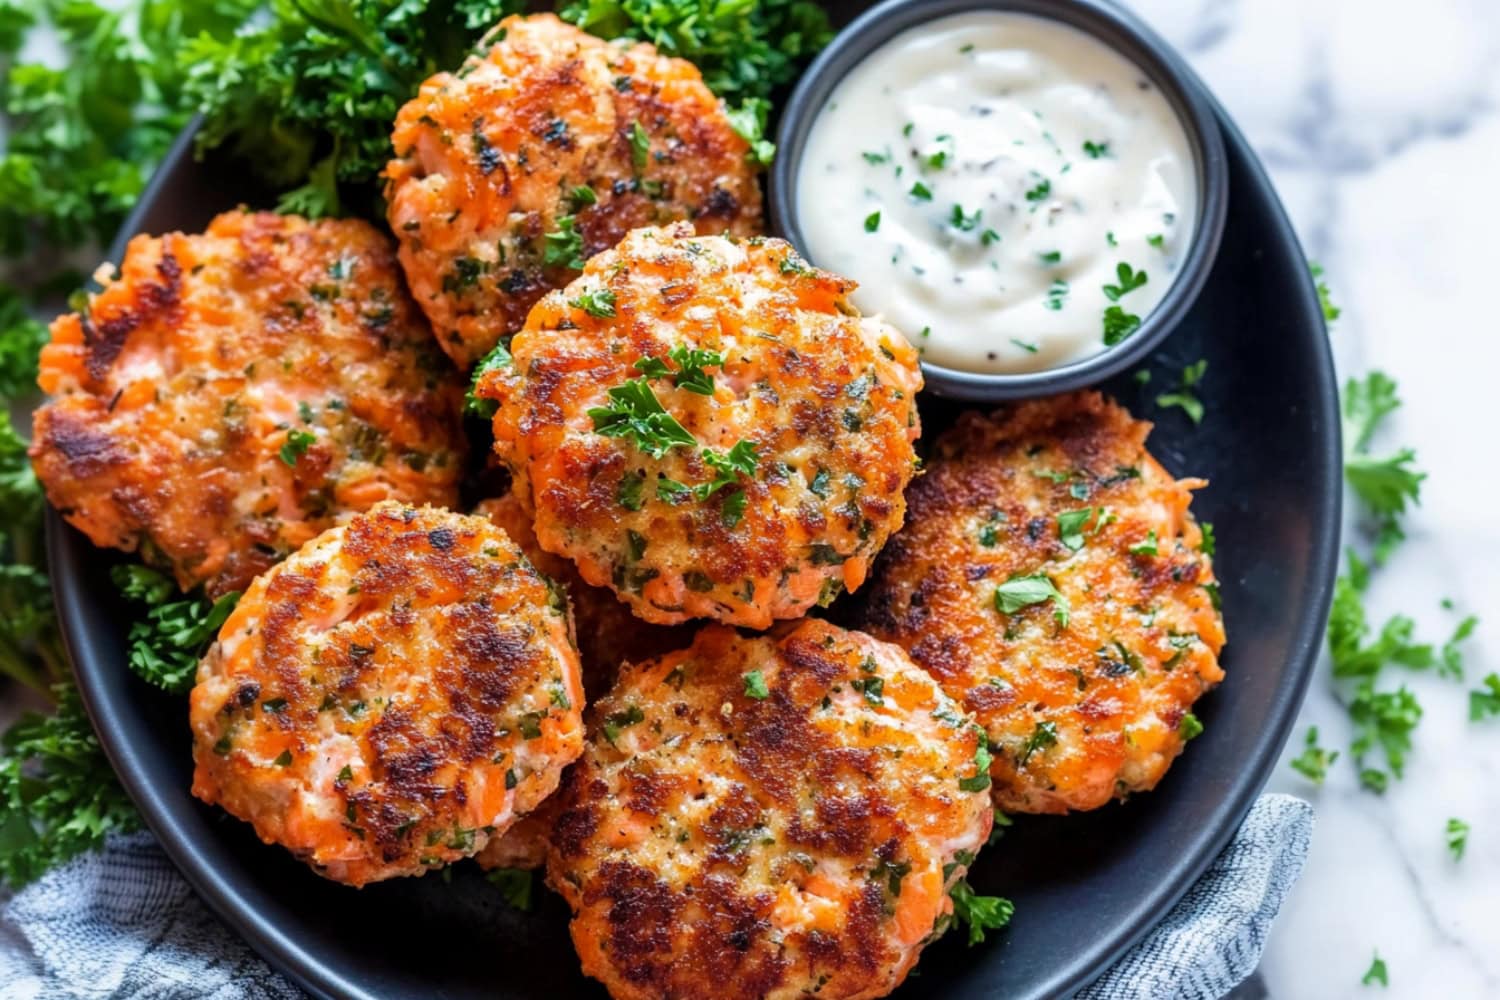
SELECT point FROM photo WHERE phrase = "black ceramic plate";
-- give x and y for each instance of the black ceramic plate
(1085, 887)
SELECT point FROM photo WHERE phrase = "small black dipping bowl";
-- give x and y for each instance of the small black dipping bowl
(1114, 28)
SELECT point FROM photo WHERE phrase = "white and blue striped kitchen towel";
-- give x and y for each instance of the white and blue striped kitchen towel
(123, 924)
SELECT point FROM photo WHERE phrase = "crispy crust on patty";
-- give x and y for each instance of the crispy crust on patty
(177, 391)
(1081, 713)
(390, 697)
(762, 817)
(607, 633)
(825, 398)
(551, 123)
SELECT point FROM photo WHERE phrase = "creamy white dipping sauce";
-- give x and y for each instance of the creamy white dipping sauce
(988, 178)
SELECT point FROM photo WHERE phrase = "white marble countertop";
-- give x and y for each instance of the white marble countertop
(1377, 120)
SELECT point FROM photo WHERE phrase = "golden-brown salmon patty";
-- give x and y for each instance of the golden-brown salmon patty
(391, 696)
(708, 427)
(1054, 582)
(546, 149)
(607, 633)
(761, 817)
(231, 394)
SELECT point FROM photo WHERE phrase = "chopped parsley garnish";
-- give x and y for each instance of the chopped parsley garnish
(1377, 972)
(1095, 150)
(872, 688)
(1314, 761)
(1183, 396)
(1039, 193)
(1485, 701)
(921, 192)
(632, 484)
(872, 222)
(1148, 547)
(749, 123)
(979, 913)
(963, 222)
(1070, 527)
(616, 721)
(1119, 324)
(640, 146)
(875, 159)
(982, 760)
(582, 195)
(1023, 345)
(739, 461)
(755, 686)
(563, 246)
(1383, 719)
(690, 363)
(1129, 278)
(1458, 837)
(1057, 294)
(1157, 240)
(1042, 737)
(283, 759)
(515, 885)
(296, 445)
(989, 237)
(499, 357)
(634, 412)
(600, 304)
(1023, 591)
(1050, 257)
(673, 492)
(1206, 542)
(1190, 727)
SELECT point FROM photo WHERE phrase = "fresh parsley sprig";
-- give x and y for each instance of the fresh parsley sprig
(635, 413)
(167, 644)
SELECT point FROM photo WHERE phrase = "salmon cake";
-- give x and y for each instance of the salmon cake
(708, 427)
(230, 395)
(389, 698)
(607, 633)
(1055, 583)
(768, 817)
(543, 149)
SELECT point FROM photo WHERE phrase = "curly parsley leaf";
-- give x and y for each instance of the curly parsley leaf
(563, 246)
(743, 49)
(749, 122)
(635, 413)
(1331, 312)
(20, 494)
(1383, 484)
(58, 796)
(167, 644)
(1383, 720)
(979, 913)
(21, 340)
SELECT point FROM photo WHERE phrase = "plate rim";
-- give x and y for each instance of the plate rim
(302, 965)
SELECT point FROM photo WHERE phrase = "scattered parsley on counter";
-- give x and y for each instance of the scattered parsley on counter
(1383, 484)
(1331, 312)
(1457, 832)
(1314, 761)
(1486, 701)
(1376, 973)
